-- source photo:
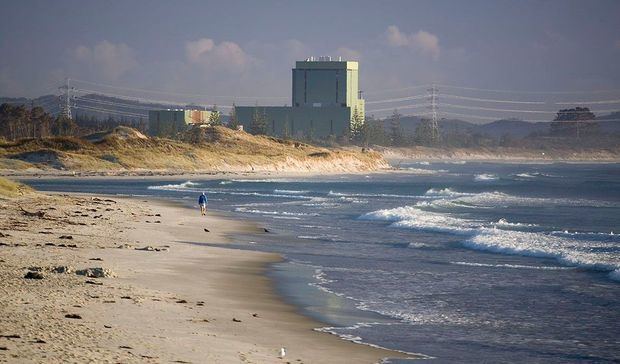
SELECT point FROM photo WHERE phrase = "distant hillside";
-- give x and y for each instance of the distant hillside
(514, 128)
(216, 149)
(101, 107)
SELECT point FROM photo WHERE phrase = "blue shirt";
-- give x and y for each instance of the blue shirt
(202, 200)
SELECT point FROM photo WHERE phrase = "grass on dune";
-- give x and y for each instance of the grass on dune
(10, 188)
(201, 149)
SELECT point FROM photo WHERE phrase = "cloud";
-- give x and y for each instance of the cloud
(107, 59)
(348, 54)
(227, 55)
(422, 41)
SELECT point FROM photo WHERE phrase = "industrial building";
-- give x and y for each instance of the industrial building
(167, 123)
(325, 98)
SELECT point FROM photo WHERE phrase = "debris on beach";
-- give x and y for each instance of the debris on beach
(152, 249)
(34, 275)
(73, 316)
(236, 319)
(62, 269)
(11, 336)
(95, 272)
(39, 214)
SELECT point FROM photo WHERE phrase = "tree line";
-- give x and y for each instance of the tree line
(18, 122)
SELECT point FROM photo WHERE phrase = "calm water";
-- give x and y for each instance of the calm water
(462, 262)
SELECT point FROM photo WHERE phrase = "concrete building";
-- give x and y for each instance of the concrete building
(167, 123)
(325, 97)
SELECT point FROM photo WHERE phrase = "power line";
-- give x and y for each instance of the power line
(407, 98)
(485, 117)
(104, 102)
(144, 100)
(395, 89)
(494, 109)
(515, 110)
(179, 93)
(492, 100)
(412, 106)
(111, 111)
(589, 102)
(528, 92)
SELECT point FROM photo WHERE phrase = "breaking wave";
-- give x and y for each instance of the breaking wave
(502, 237)
(279, 213)
(511, 266)
(445, 192)
(290, 192)
(341, 194)
(486, 177)
(565, 251)
(505, 223)
(496, 198)
(534, 175)
(412, 217)
(185, 186)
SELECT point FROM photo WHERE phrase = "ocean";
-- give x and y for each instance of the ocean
(462, 262)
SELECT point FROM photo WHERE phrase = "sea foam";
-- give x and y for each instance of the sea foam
(494, 236)
(485, 177)
(185, 186)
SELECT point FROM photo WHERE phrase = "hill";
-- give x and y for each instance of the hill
(213, 149)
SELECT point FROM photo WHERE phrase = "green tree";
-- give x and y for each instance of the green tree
(578, 113)
(396, 131)
(233, 123)
(214, 118)
(374, 132)
(286, 132)
(357, 125)
(576, 122)
(259, 122)
(425, 134)
(64, 126)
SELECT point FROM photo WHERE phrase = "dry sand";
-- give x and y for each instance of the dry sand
(176, 301)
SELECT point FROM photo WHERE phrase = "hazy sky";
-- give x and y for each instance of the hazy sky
(247, 48)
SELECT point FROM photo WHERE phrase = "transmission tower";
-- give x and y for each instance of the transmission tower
(67, 99)
(433, 127)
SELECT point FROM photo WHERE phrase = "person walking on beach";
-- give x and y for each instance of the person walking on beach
(202, 201)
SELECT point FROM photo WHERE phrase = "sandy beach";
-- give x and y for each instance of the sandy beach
(153, 293)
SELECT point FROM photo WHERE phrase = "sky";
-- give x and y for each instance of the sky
(243, 51)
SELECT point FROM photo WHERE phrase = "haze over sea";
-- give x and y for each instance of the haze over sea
(463, 262)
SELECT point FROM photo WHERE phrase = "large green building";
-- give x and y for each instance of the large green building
(325, 100)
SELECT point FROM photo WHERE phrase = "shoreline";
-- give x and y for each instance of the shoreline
(392, 160)
(201, 300)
